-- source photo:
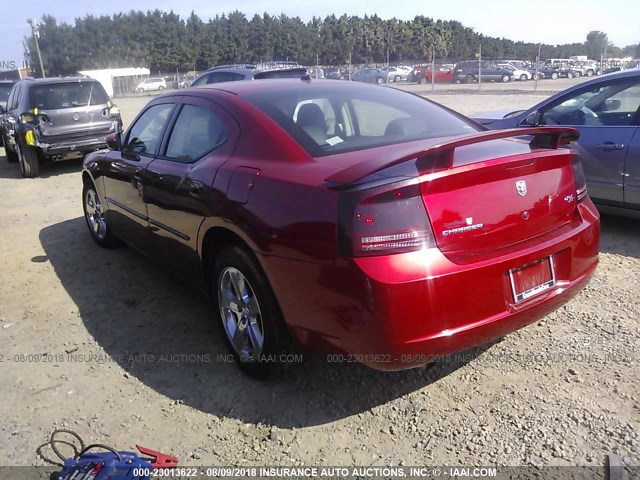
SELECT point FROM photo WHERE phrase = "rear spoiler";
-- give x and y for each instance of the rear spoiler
(440, 156)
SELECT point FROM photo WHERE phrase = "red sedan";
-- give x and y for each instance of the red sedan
(348, 218)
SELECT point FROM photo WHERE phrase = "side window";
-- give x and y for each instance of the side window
(16, 97)
(145, 135)
(196, 132)
(609, 105)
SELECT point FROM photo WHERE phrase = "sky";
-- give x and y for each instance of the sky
(541, 21)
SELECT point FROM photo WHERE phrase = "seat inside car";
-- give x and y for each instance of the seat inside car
(311, 119)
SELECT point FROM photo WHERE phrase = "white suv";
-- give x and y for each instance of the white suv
(151, 84)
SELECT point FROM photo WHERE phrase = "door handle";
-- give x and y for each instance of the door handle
(608, 146)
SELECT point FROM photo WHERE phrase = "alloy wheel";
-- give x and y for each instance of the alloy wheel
(95, 214)
(240, 313)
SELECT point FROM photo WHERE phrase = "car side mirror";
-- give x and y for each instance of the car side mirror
(533, 119)
(114, 141)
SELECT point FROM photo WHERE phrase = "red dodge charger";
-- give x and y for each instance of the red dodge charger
(347, 218)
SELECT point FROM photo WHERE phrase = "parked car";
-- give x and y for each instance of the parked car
(606, 111)
(186, 81)
(324, 213)
(370, 75)
(151, 85)
(469, 70)
(5, 90)
(424, 73)
(517, 73)
(396, 74)
(232, 73)
(335, 73)
(56, 119)
(558, 69)
(317, 73)
(587, 68)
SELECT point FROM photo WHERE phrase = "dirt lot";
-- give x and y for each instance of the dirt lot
(108, 344)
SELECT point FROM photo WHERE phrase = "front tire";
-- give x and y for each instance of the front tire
(569, 75)
(247, 310)
(28, 160)
(505, 78)
(523, 78)
(469, 79)
(554, 76)
(379, 80)
(94, 215)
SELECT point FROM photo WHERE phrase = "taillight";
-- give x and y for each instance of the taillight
(393, 221)
(579, 178)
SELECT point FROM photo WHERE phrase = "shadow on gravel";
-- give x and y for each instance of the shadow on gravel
(160, 331)
(620, 235)
(47, 168)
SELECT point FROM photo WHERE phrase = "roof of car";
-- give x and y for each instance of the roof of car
(243, 88)
(45, 81)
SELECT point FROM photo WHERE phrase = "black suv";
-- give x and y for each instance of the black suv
(56, 119)
(467, 71)
(231, 73)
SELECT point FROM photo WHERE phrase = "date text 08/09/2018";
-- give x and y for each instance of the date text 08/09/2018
(320, 472)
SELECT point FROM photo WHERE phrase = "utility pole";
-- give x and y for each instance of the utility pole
(433, 67)
(536, 75)
(35, 29)
(480, 68)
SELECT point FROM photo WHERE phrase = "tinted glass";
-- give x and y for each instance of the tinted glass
(5, 90)
(283, 74)
(614, 104)
(196, 132)
(327, 119)
(145, 135)
(67, 95)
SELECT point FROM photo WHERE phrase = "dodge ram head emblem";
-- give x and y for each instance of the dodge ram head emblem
(521, 187)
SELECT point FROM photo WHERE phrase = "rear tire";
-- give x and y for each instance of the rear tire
(379, 80)
(248, 313)
(523, 78)
(422, 81)
(28, 160)
(590, 73)
(469, 79)
(506, 78)
(569, 75)
(554, 76)
(160, 88)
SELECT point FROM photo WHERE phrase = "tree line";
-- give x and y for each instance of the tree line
(164, 41)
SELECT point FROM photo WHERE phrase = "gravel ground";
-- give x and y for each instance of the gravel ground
(109, 345)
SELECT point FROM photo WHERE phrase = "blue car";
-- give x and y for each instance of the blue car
(606, 111)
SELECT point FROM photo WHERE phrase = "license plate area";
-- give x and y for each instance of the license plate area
(532, 279)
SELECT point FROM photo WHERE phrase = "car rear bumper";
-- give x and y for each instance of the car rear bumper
(402, 311)
(72, 148)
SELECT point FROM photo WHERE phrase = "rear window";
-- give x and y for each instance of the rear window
(67, 95)
(295, 73)
(329, 119)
